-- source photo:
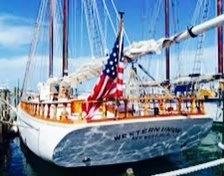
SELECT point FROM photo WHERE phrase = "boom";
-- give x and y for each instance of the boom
(142, 48)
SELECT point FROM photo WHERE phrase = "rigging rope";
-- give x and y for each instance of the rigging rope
(197, 68)
(42, 8)
(176, 28)
(185, 49)
(88, 27)
(103, 40)
(81, 26)
(94, 28)
(154, 19)
(117, 14)
(109, 17)
(195, 168)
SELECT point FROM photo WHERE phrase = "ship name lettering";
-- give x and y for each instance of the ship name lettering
(145, 133)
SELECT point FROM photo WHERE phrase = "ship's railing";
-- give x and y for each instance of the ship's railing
(53, 111)
(145, 107)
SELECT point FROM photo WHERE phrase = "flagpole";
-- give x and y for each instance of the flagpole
(110, 84)
(120, 35)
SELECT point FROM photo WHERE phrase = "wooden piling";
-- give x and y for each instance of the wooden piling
(1, 137)
(4, 113)
(223, 108)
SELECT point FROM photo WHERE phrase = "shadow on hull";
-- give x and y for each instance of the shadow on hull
(143, 168)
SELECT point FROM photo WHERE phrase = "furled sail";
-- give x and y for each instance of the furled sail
(142, 48)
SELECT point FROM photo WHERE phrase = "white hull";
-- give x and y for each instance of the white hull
(112, 142)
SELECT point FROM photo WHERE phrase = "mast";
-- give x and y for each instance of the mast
(167, 35)
(65, 38)
(139, 49)
(51, 38)
(220, 38)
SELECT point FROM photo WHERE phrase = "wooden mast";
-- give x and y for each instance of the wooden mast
(220, 38)
(51, 38)
(167, 34)
(65, 38)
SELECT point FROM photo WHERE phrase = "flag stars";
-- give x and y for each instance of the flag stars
(114, 54)
(111, 62)
(108, 71)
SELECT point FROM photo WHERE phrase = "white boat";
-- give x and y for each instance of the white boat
(54, 125)
(111, 141)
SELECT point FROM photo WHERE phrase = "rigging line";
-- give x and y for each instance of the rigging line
(184, 52)
(116, 12)
(197, 11)
(58, 38)
(17, 125)
(151, 22)
(81, 27)
(157, 11)
(73, 34)
(109, 17)
(145, 71)
(175, 15)
(29, 58)
(43, 6)
(133, 78)
(73, 50)
(143, 18)
(38, 67)
(40, 22)
(151, 15)
(154, 15)
(94, 27)
(193, 169)
(88, 27)
(102, 39)
(199, 50)
(105, 29)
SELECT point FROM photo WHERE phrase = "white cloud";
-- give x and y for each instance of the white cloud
(14, 31)
(12, 70)
(9, 18)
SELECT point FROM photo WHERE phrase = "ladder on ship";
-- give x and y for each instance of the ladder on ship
(94, 27)
(197, 67)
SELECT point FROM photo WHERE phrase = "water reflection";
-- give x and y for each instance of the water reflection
(16, 159)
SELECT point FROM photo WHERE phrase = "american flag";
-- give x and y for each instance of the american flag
(110, 83)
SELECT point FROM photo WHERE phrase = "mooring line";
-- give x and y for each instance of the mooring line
(195, 168)
(18, 125)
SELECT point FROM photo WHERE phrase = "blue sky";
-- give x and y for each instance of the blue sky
(17, 19)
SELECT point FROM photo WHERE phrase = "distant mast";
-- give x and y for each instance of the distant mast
(65, 38)
(220, 38)
(51, 38)
(167, 34)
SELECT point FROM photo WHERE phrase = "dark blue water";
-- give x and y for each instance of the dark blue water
(16, 159)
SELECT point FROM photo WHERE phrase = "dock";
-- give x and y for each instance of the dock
(5, 96)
